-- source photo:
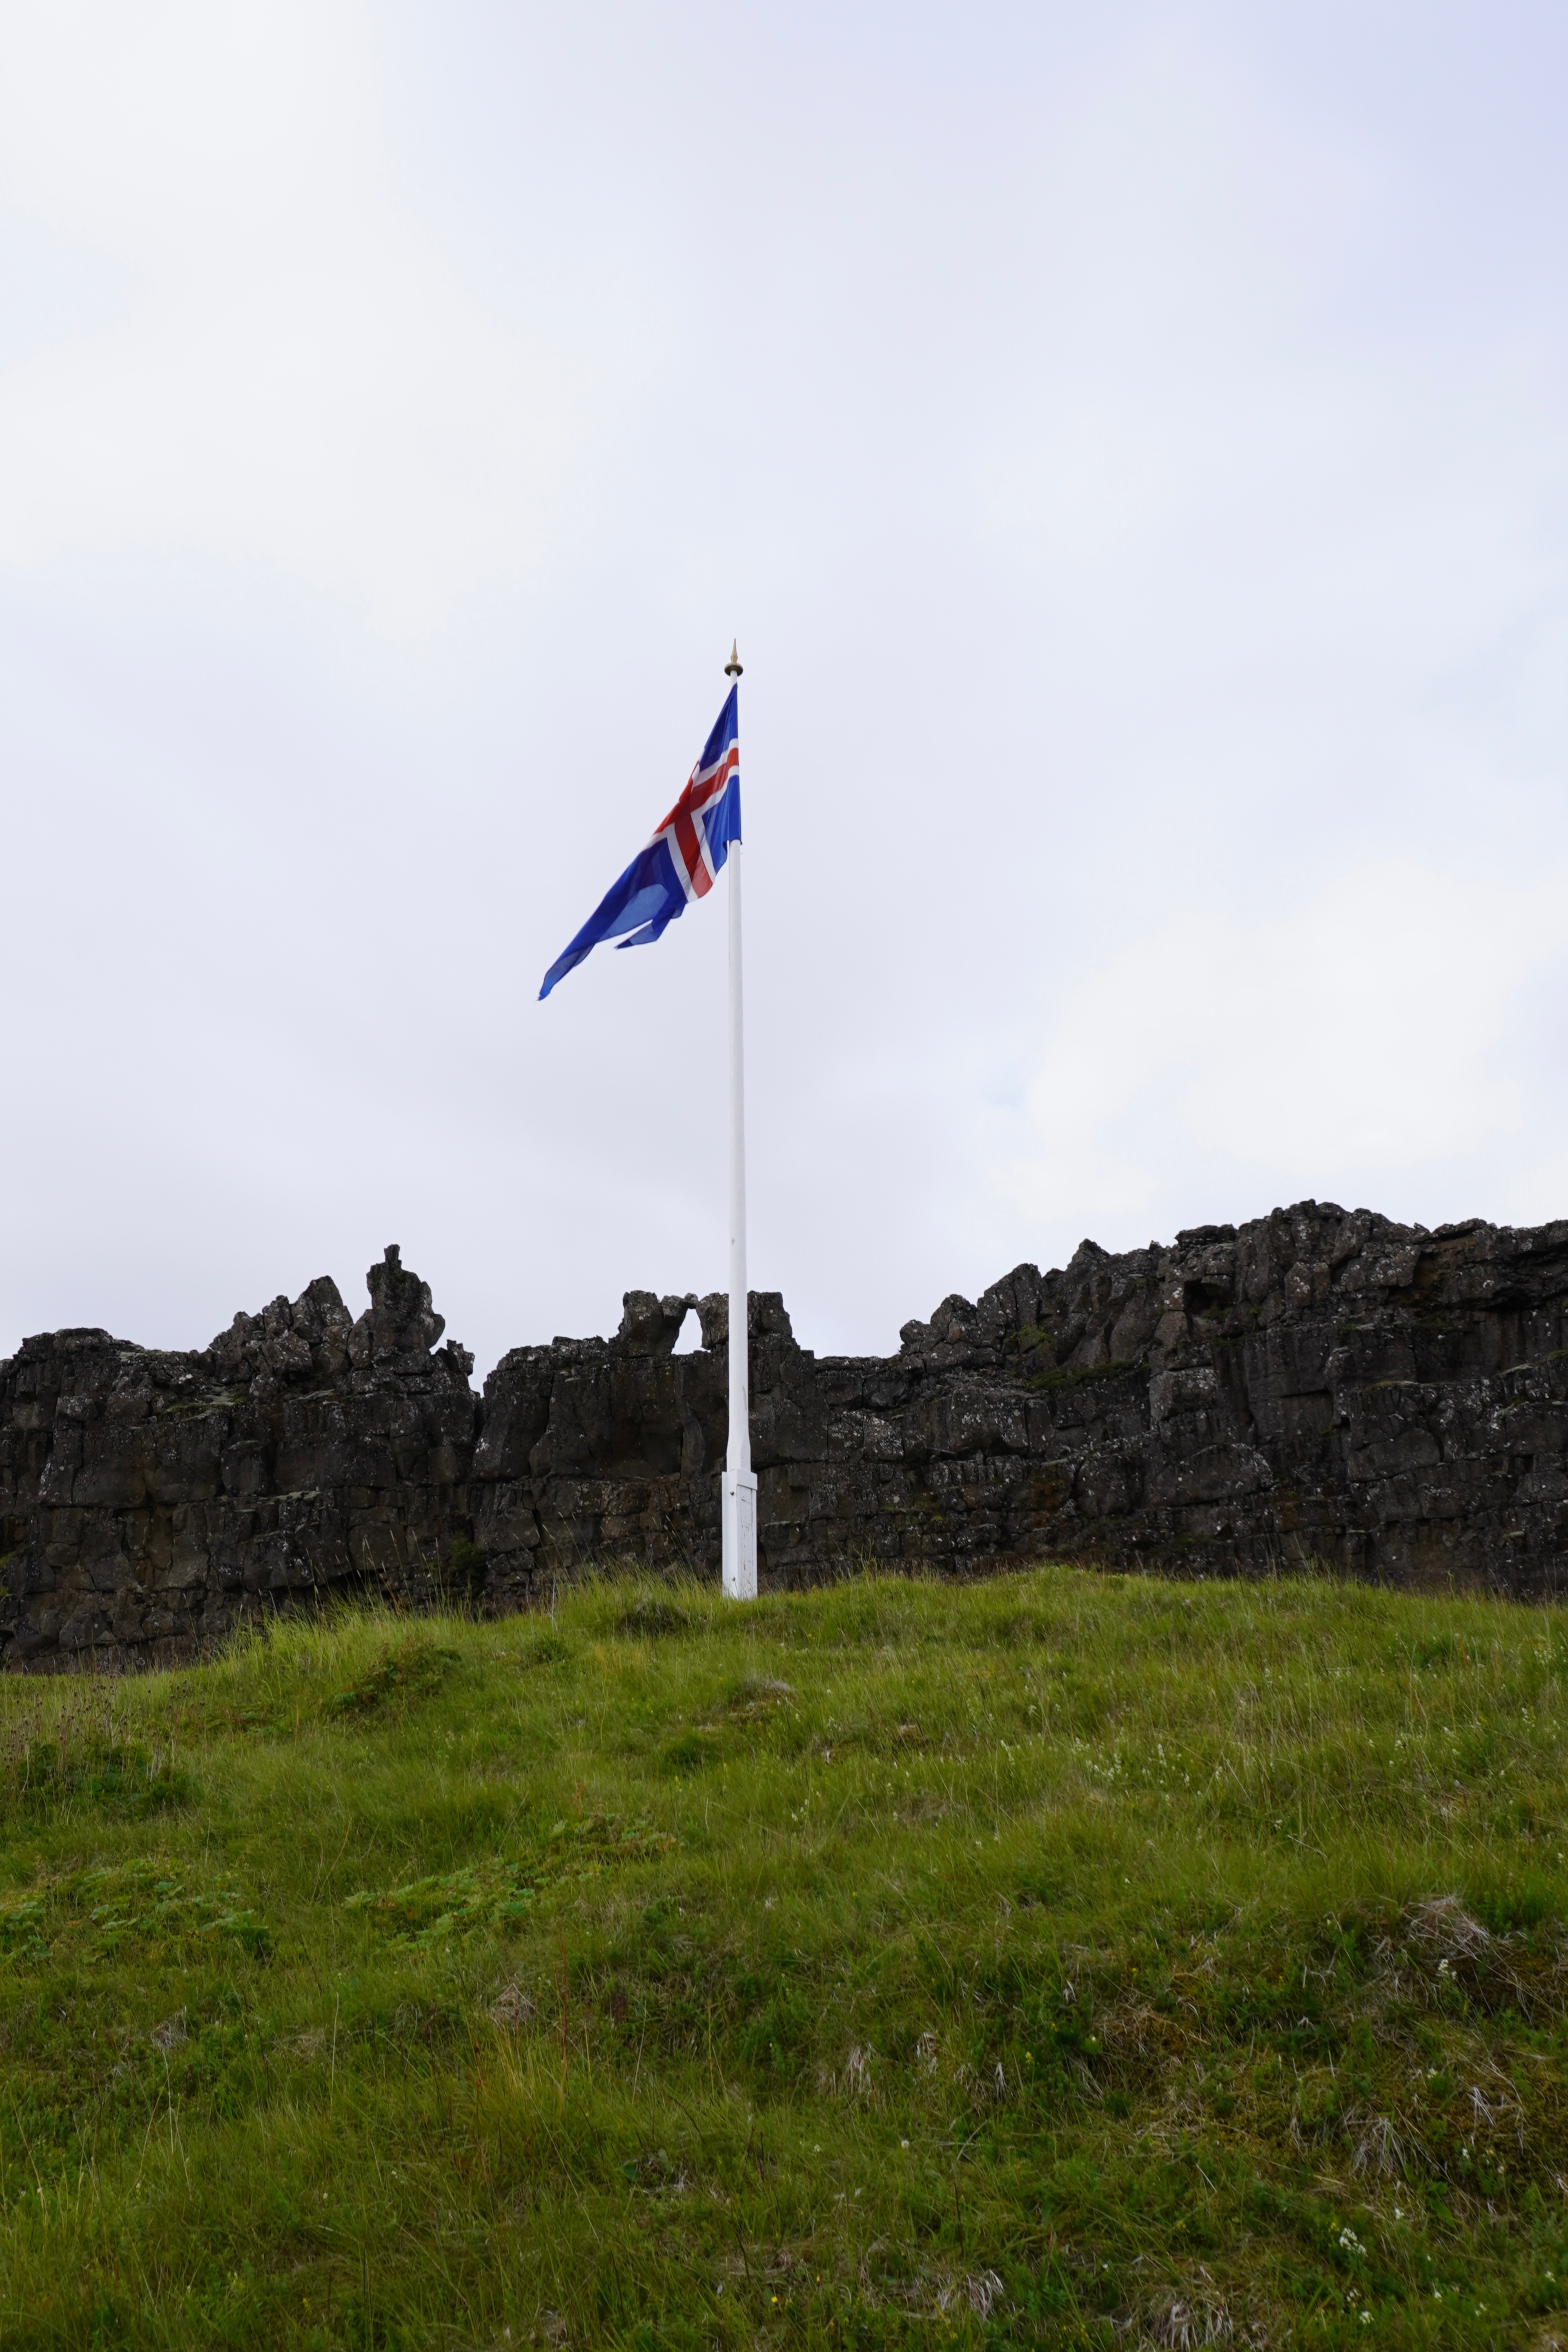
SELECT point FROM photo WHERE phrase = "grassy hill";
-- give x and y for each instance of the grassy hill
(1061, 1961)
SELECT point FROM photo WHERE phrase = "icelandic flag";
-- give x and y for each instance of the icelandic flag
(682, 859)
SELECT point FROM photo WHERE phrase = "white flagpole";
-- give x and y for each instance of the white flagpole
(737, 1484)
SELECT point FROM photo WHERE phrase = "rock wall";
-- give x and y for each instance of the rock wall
(1314, 1386)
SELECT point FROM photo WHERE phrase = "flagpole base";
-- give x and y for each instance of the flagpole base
(738, 1493)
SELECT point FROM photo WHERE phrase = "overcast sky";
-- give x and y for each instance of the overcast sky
(1129, 445)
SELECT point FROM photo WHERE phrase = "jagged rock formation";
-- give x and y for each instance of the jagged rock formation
(1321, 1385)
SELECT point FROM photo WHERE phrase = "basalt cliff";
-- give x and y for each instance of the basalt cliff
(1316, 1386)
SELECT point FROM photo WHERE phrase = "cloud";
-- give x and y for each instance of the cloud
(1368, 1033)
(282, 368)
(1143, 514)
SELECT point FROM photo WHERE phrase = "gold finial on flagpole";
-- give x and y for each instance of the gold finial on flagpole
(733, 667)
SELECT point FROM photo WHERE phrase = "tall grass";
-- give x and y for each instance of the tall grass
(1063, 1959)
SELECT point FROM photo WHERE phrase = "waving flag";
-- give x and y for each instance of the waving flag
(682, 859)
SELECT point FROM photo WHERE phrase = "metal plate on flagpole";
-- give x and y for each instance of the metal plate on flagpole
(738, 1489)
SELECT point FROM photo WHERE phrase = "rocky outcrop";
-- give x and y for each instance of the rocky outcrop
(1314, 1386)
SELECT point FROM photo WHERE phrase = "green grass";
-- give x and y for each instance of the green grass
(1064, 1959)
